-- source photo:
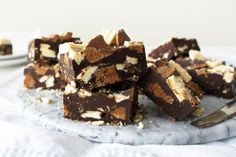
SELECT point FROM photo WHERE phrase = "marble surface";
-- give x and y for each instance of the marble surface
(158, 129)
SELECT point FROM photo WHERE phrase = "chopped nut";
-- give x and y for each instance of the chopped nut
(84, 93)
(106, 75)
(135, 45)
(177, 85)
(159, 92)
(29, 81)
(120, 66)
(109, 36)
(119, 112)
(184, 74)
(92, 114)
(182, 48)
(70, 88)
(99, 122)
(73, 50)
(131, 60)
(50, 81)
(213, 64)
(196, 55)
(46, 51)
(119, 97)
(86, 73)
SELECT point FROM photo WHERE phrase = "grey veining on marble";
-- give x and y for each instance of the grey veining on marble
(158, 129)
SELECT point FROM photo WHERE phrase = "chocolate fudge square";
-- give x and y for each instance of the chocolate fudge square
(214, 76)
(171, 88)
(105, 105)
(173, 48)
(45, 77)
(5, 47)
(98, 64)
(44, 50)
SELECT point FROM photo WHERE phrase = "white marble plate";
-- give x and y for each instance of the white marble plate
(158, 129)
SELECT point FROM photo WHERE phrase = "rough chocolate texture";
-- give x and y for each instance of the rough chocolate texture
(45, 77)
(105, 105)
(45, 49)
(214, 77)
(99, 65)
(176, 47)
(171, 88)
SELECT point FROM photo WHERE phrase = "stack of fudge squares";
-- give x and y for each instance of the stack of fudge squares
(101, 78)
(179, 75)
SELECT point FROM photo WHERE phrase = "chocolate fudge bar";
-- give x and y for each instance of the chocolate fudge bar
(98, 64)
(213, 76)
(173, 48)
(44, 50)
(5, 47)
(171, 88)
(45, 77)
(105, 105)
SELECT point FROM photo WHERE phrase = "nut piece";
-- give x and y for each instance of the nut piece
(70, 88)
(183, 73)
(92, 114)
(119, 97)
(46, 51)
(106, 75)
(29, 81)
(50, 82)
(135, 45)
(93, 54)
(177, 85)
(196, 55)
(159, 92)
(120, 66)
(98, 123)
(84, 93)
(119, 113)
(131, 60)
(48, 79)
(121, 37)
(182, 48)
(73, 50)
(86, 73)
(109, 36)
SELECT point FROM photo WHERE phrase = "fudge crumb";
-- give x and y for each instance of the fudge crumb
(140, 125)
(46, 100)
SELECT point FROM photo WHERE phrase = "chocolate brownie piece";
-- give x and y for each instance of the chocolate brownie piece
(45, 77)
(98, 64)
(171, 88)
(176, 47)
(5, 47)
(214, 76)
(104, 105)
(44, 50)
